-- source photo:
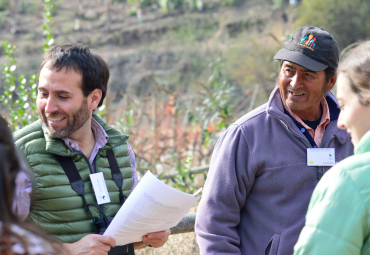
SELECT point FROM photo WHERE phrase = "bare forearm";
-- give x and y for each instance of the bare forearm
(139, 245)
(91, 244)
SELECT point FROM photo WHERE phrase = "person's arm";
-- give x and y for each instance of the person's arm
(230, 178)
(100, 245)
(156, 240)
(93, 244)
(135, 179)
(335, 219)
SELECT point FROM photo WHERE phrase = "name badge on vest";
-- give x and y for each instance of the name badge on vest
(100, 188)
(320, 156)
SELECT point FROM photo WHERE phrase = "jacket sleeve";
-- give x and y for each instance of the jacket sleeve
(229, 180)
(336, 219)
(135, 179)
(23, 189)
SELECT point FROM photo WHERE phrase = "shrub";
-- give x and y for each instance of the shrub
(347, 20)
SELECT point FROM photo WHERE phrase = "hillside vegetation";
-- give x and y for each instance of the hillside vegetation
(181, 70)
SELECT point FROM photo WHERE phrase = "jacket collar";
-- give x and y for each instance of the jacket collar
(364, 144)
(275, 108)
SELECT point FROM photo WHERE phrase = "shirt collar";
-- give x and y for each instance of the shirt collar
(326, 116)
(101, 137)
(333, 106)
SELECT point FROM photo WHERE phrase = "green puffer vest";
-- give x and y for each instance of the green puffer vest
(56, 207)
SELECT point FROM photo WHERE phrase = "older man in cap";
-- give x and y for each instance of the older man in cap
(266, 165)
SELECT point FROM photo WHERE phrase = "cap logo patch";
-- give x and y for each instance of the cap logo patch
(308, 41)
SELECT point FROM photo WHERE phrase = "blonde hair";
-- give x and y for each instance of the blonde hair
(355, 65)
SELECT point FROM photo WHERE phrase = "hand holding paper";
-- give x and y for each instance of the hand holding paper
(152, 207)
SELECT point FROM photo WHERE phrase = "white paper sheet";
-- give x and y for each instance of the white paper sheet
(153, 206)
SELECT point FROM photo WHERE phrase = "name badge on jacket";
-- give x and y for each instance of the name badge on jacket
(100, 188)
(320, 156)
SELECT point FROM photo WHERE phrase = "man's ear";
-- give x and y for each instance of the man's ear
(332, 82)
(94, 99)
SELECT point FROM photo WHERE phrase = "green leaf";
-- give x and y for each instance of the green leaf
(130, 121)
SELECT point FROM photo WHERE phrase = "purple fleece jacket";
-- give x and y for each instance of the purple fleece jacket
(259, 186)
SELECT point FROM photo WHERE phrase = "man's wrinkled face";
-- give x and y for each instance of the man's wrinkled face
(302, 89)
(61, 105)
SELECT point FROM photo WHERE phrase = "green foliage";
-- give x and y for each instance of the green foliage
(215, 111)
(347, 20)
(195, 4)
(228, 2)
(277, 4)
(20, 99)
(193, 31)
(252, 63)
(168, 5)
(184, 180)
(20, 96)
(30, 6)
(4, 4)
(126, 123)
(165, 5)
(134, 2)
(47, 24)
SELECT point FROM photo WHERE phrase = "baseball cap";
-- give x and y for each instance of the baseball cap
(312, 48)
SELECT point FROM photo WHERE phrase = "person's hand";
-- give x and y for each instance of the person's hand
(157, 239)
(92, 245)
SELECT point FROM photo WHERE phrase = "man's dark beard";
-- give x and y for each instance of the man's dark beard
(73, 124)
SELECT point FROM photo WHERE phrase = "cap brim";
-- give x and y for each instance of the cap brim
(299, 59)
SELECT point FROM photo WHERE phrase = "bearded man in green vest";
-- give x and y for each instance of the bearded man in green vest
(72, 84)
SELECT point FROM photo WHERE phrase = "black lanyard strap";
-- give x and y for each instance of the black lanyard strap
(74, 178)
(116, 174)
(76, 182)
(78, 186)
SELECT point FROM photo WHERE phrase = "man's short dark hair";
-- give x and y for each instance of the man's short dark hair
(79, 57)
(329, 72)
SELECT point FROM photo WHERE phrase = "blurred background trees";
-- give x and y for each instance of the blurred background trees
(347, 20)
(181, 70)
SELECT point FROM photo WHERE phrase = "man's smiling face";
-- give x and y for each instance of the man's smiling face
(302, 90)
(61, 105)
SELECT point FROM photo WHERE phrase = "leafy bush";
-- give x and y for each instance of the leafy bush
(167, 5)
(184, 180)
(252, 63)
(215, 109)
(4, 4)
(20, 100)
(347, 20)
(20, 97)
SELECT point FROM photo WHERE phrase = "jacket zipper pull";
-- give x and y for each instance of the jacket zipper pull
(319, 172)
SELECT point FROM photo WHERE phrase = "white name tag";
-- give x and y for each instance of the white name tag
(100, 188)
(320, 156)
